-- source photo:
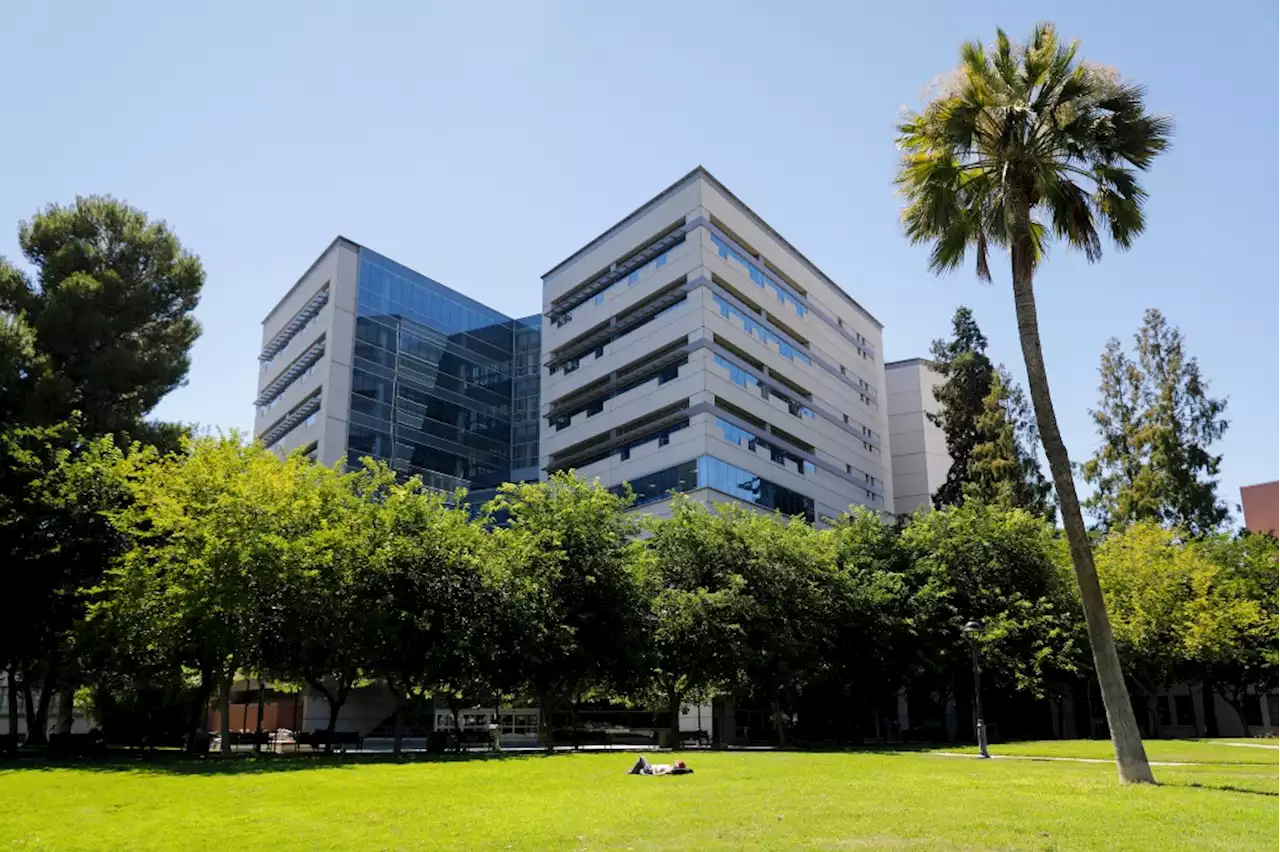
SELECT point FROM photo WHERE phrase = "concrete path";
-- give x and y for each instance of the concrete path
(1251, 745)
(1063, 759)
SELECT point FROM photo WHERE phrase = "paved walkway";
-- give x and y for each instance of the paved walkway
(1252, 745)
(1063, 759)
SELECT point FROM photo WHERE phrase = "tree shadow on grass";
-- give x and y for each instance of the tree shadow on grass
(174, 763)
(1225, 788)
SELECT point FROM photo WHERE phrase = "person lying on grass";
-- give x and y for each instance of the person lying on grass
(644, 767)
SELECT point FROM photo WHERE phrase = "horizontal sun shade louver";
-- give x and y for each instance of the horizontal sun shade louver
(285, 424)
(300, 364)
(300, 319)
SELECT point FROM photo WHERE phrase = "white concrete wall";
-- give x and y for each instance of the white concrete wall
(856, 392)
(919, 458)
(337, 268)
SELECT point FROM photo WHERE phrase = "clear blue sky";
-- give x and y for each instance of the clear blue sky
(482, 143)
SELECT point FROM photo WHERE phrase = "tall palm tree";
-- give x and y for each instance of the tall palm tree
(1017, 147)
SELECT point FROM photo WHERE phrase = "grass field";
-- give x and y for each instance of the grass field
(735, 800)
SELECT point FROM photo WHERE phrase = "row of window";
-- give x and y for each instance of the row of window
(631, 280)
(778, 455)
(757, 329)
(711, 472)
(741, 377)
(666, 374)
(572, 364)
(759, 276)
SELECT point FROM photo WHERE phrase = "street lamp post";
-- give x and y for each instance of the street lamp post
(971, 629)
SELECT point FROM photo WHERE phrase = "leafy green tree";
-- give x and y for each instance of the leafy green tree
(1157, 423)
(109, 312)
(1236, 629)
(424, 595)
(788, 582)
(1003, 469)
(695, 638)
(210, 530)
(317, 632)
(572, 549)
(1148, 575)
(999, 567)
(1020, 145)
(55, 483)
(874, 642)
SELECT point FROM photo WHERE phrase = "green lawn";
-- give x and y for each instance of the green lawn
(1173, 751)
(753, 800)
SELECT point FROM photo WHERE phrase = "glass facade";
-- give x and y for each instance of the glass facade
(441, 386)
(711, 472)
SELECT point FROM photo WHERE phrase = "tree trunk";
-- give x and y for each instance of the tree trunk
(1131, 757)
(29, 705)
(66, 709)
(224, 710)
(199, 711)
(1210, 710)
(573, 725)
(12, 692)
(399, 741)
(673, 705)
(779, 728)
(257, 734)
(42, 709)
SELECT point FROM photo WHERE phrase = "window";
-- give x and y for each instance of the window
(560, 422)
(839, 322)
(599, 351)
(848, 468)
(311, 419)
(595, 408)
(757, 330)
(599, 300)
(663, 440)
(668, 373)
(846, 418)
(624, 453)
(570, 366)
(843, 370)
(661, 261)
(266, 365)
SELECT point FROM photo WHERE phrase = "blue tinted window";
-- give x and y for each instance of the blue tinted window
(442, 386)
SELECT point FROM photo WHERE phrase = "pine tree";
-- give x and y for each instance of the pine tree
(967, 373)
(990, 433)
(1156, 422)
(1003, 468)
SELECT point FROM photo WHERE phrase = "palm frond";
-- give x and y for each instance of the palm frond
(1026, 139)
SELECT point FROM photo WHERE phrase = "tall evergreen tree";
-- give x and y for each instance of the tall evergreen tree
(1003, 468)
(967, 372)
(1156, 421)
(109, 313)
(988, 426)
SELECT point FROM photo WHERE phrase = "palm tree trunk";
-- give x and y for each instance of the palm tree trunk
(1131, 757)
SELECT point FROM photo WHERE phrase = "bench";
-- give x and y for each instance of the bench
(698, 738)
(76, 745)
(10, 743)
(320, 739)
